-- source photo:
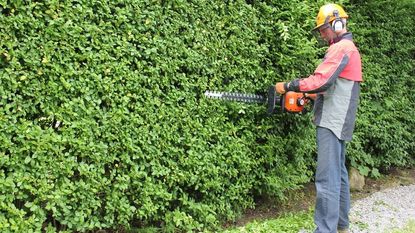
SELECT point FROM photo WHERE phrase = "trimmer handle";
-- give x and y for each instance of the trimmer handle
(293, 102)
(273, 99)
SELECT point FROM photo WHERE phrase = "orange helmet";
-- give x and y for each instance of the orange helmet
(329, 13)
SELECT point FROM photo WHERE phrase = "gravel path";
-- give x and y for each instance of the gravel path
(383, 210)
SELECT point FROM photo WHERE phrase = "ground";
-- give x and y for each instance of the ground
(304, 199)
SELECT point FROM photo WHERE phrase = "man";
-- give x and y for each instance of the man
(337, 84)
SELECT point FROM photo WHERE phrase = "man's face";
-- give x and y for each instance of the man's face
(327, 34)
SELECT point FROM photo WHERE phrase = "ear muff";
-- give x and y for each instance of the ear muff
(337, 23)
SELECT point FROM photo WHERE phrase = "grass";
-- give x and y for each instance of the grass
(409, 228)
(287, 223)
(290, 222)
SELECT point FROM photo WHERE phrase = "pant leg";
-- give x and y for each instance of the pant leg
(344, 193)
(327, 181)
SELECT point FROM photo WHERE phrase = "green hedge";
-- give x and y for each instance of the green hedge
(386, 121)
(104, 124)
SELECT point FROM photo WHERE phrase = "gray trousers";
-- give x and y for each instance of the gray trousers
(332, 184)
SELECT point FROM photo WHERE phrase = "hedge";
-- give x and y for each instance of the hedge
(105, 126)
(386, 122)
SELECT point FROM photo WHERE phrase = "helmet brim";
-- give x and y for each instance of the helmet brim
(321, 26)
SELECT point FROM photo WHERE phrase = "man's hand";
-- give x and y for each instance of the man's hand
(311, 96)
(279, 87)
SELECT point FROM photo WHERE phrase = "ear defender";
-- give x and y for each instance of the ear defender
(337, 23)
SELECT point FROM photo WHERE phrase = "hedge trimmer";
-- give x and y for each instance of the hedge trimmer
(293, 102)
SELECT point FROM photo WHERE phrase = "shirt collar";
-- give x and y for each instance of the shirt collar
(347, 36)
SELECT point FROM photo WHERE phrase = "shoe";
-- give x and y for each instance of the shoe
(343, 231)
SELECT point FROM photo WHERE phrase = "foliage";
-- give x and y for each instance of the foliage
(385, 125)
(104, 125)
(103, 119)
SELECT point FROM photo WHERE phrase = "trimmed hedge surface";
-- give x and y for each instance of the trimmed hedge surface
(104, 124)
(386, 123)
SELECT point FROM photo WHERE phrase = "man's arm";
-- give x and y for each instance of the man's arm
(324, 76)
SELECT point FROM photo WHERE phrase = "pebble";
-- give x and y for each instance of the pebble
(384, 210)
